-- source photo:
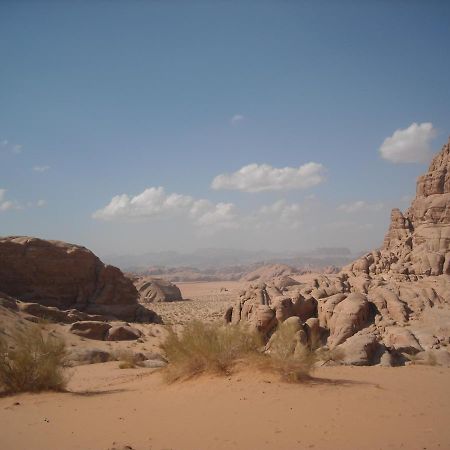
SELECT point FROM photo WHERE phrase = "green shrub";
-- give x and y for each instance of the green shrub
(204, 347)
(32, 362)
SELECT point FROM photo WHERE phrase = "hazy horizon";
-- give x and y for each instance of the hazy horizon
(135, 127)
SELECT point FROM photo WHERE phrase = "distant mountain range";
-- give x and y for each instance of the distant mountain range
(209, 258)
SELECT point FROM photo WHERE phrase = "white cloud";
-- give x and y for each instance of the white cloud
(41, 168)
(281, 213)
(5, 205)
(155, 203)
(41, 203)
(360, 205)
(10, 147)
(263, 177)
(409, 145)
(237, 118)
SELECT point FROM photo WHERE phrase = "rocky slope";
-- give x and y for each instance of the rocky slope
(66, 277)
(385, 307)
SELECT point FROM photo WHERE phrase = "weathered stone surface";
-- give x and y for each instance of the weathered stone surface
(123, 333)
(402, 340)
(361, 349)
(349, 316)
(156, 290)
(56, 315)
(90, 329)
(8, 302)
(418, 241)
(66, 276)
(80, 356)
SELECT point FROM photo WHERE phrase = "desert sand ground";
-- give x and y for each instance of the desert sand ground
(343, 408)
(205, 301)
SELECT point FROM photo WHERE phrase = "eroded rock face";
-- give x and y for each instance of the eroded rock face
(390, 303)
(349, 316)
(66, 276)
(123, 333)
(90, 329)
(418, 241)
(153, 290)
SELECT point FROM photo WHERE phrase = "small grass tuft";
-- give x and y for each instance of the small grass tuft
(126, 358)
(288, 356)
(32, 362)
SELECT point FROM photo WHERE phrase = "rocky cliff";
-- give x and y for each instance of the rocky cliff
(385, 307)
(66, 276)
(418, 241)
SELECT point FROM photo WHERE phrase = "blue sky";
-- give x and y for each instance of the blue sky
(100, 99)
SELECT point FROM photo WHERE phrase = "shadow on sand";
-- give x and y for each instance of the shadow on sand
(94, 393)
(320, 381)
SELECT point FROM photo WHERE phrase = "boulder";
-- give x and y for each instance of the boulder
(90, 329)
(401, 340)
(349, 316)
(362, 349)
(122, 333)
(153, 290)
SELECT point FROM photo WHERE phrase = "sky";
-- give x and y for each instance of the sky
(139, 126)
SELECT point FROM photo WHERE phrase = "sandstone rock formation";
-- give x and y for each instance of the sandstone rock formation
(152, 290)
(267, 272)
(66, 276)
(417, 242)
(387, 306)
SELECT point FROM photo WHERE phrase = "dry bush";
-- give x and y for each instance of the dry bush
(32, 362)
(214, 348)
(207, 347)
(325, 355)
(126, 359)
(288, 357)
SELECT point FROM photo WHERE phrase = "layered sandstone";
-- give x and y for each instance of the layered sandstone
(418, 242)
(152, 290)
(68, 277)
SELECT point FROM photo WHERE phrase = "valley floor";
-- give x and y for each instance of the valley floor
(343, 408)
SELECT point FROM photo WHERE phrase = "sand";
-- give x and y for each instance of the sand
(344, 408)
(206, 301)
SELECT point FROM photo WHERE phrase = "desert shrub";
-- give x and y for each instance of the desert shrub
(126, 359)
(32, 361)
(205, 347)
(325, 355)
(289, 358)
